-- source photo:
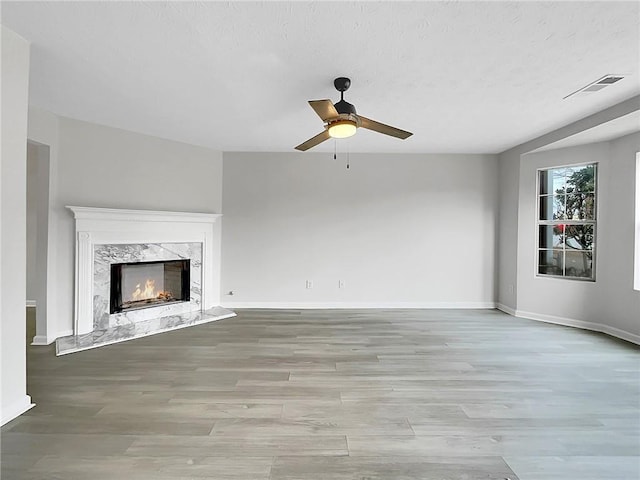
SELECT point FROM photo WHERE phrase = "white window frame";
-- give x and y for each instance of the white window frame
(593, 222)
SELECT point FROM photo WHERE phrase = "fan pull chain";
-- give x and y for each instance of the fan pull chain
(347, 159)
(335, 149)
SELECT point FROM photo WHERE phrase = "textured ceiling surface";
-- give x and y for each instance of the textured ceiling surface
(236, 76)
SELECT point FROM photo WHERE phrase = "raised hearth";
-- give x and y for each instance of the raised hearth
(121, 333)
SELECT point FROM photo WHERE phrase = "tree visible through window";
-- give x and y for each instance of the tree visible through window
(567, 221)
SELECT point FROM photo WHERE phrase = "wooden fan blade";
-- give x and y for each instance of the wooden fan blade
(382, 128)
(312, 142)
(325, 109)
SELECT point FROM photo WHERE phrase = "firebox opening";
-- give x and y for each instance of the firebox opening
(149, 284)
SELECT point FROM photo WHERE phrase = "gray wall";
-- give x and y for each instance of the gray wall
(37, 233)
(400, 230)
(620, 305)
(507, 291)
(32, 220)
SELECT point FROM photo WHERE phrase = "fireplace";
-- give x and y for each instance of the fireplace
(178, 250)
(149, 284)
(106, 236)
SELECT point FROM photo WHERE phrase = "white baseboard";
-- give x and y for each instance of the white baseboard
(570, 322)
(16, 409)
(63, 333)
(31, 304)
(506, 309)
(624, 335)
(41, 340)
(359, 305)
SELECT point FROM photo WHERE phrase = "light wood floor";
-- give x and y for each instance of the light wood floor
(345, 395)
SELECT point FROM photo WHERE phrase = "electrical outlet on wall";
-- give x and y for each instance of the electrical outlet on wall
(340, 283)
(309, 284)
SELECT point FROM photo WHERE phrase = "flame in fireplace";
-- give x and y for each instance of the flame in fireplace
(149, 292)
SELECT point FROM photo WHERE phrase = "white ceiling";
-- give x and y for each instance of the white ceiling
(236, 76)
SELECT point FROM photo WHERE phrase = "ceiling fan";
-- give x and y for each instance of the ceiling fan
(342, 121)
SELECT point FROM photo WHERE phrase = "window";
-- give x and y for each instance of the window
(567, 221)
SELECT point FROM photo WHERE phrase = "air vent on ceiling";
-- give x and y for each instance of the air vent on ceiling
(609, 79)
(599, 84)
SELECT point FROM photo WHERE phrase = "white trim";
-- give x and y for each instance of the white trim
(41, 340)
(551, 223)
(358, 305)
(31, 304)
(624, 335)
(63, 333)
(506, 309)
(84, 284)
(570, 322)
(16, 409)
(124, 215)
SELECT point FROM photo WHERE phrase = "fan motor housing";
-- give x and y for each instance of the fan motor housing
(344, 107)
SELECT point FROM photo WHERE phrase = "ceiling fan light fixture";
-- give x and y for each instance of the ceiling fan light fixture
(342, 129)
(341, 120)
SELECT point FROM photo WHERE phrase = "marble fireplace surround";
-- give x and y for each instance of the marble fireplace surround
(106, 255)
(105, 236)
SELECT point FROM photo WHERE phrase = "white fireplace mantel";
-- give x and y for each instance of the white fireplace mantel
(124, 215)
(105, 226)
